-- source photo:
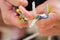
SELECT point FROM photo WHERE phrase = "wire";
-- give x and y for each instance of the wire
(32, 36)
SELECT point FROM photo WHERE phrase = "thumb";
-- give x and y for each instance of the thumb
(18, 2)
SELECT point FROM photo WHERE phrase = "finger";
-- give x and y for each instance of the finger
(47, 23)
(18, 2)
(26, 13)
(41, 8)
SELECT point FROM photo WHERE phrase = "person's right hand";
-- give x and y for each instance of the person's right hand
(51, 25)
(8, 15)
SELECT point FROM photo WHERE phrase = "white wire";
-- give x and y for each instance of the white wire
(33, 8)
(34, 12)
(32, 23)
(32, 36)
(46, 9)
(49, 38)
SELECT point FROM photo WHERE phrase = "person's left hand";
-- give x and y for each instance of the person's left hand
(9, 16)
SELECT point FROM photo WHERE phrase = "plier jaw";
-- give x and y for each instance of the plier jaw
(19, 14)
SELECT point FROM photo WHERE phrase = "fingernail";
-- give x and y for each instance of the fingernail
(25, 2)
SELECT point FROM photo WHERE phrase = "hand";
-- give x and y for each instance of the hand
(51, 25)
(10, 18)
(8, 15)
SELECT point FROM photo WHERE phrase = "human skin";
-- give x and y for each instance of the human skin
(51, 25)
(10, 17)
